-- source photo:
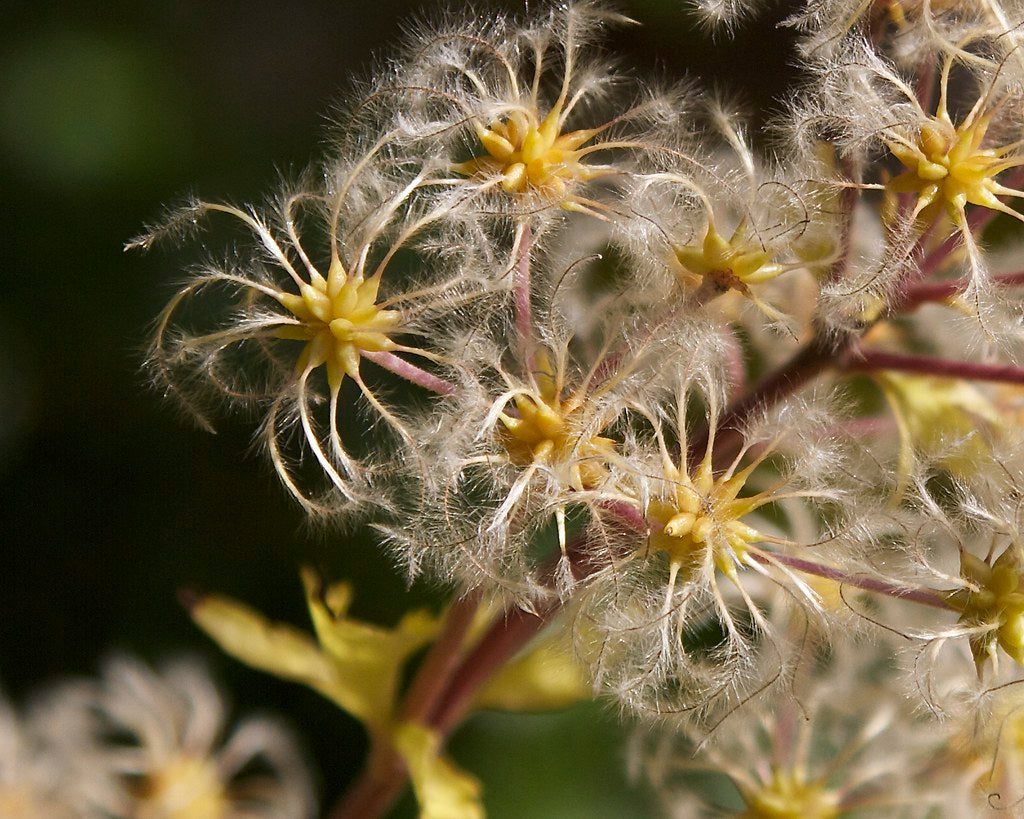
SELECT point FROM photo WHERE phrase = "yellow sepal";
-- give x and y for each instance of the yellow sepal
(356, 665)
(281, 650)
(370, 658)
(443, 790)
(941, 417)
(544, 678)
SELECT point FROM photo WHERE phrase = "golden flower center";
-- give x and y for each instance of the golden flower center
(732, 263)
(700, 514)
(339, 318)
(996, 601)
(530, 154)
(788, 795)
(22, 801)
(188, 787)
(947, 166)
(547, 430)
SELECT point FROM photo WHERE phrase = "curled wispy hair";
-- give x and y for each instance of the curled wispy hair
(837, 745)
(941, 162)
(730, 224)
(333, 276)
(516, 108)
(530, 443)
(920, 28)
(970, 546)
(673, 638)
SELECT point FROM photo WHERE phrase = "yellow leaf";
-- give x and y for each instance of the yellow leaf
(545, 677)
(443, 790)
(942, 417)
(280, 650)
(356, 665)
(369, 658)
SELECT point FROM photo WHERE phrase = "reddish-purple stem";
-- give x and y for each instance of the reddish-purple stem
(735, 365)
(384, 777)
(847, 204)
(517, 627)
(926, 597)
(924, 86)
(809, 361)
(410, 372)
(924, 292)
(441, 662)
(447, 703)
(867, 360)
(498, 645)
(378, 787)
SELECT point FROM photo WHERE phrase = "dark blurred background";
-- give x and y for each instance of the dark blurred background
(110, 501)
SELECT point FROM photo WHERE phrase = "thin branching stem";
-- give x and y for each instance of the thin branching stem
(868, 360)
(410, 372)
(926, 597)
(926, 292)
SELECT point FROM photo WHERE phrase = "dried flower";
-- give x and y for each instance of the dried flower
(282, 327)
(705, 522)
(157, 749)
(523, 100)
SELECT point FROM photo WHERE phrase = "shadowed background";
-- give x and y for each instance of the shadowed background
(110, 501)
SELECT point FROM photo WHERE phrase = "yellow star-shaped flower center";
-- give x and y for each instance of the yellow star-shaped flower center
(947, 167)
(995, 602)
(733, 263)
(702, 513)
(339, 319)
(187, 787)
(530, 154)
(21, 799)
(546, 429)
(789, 795)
